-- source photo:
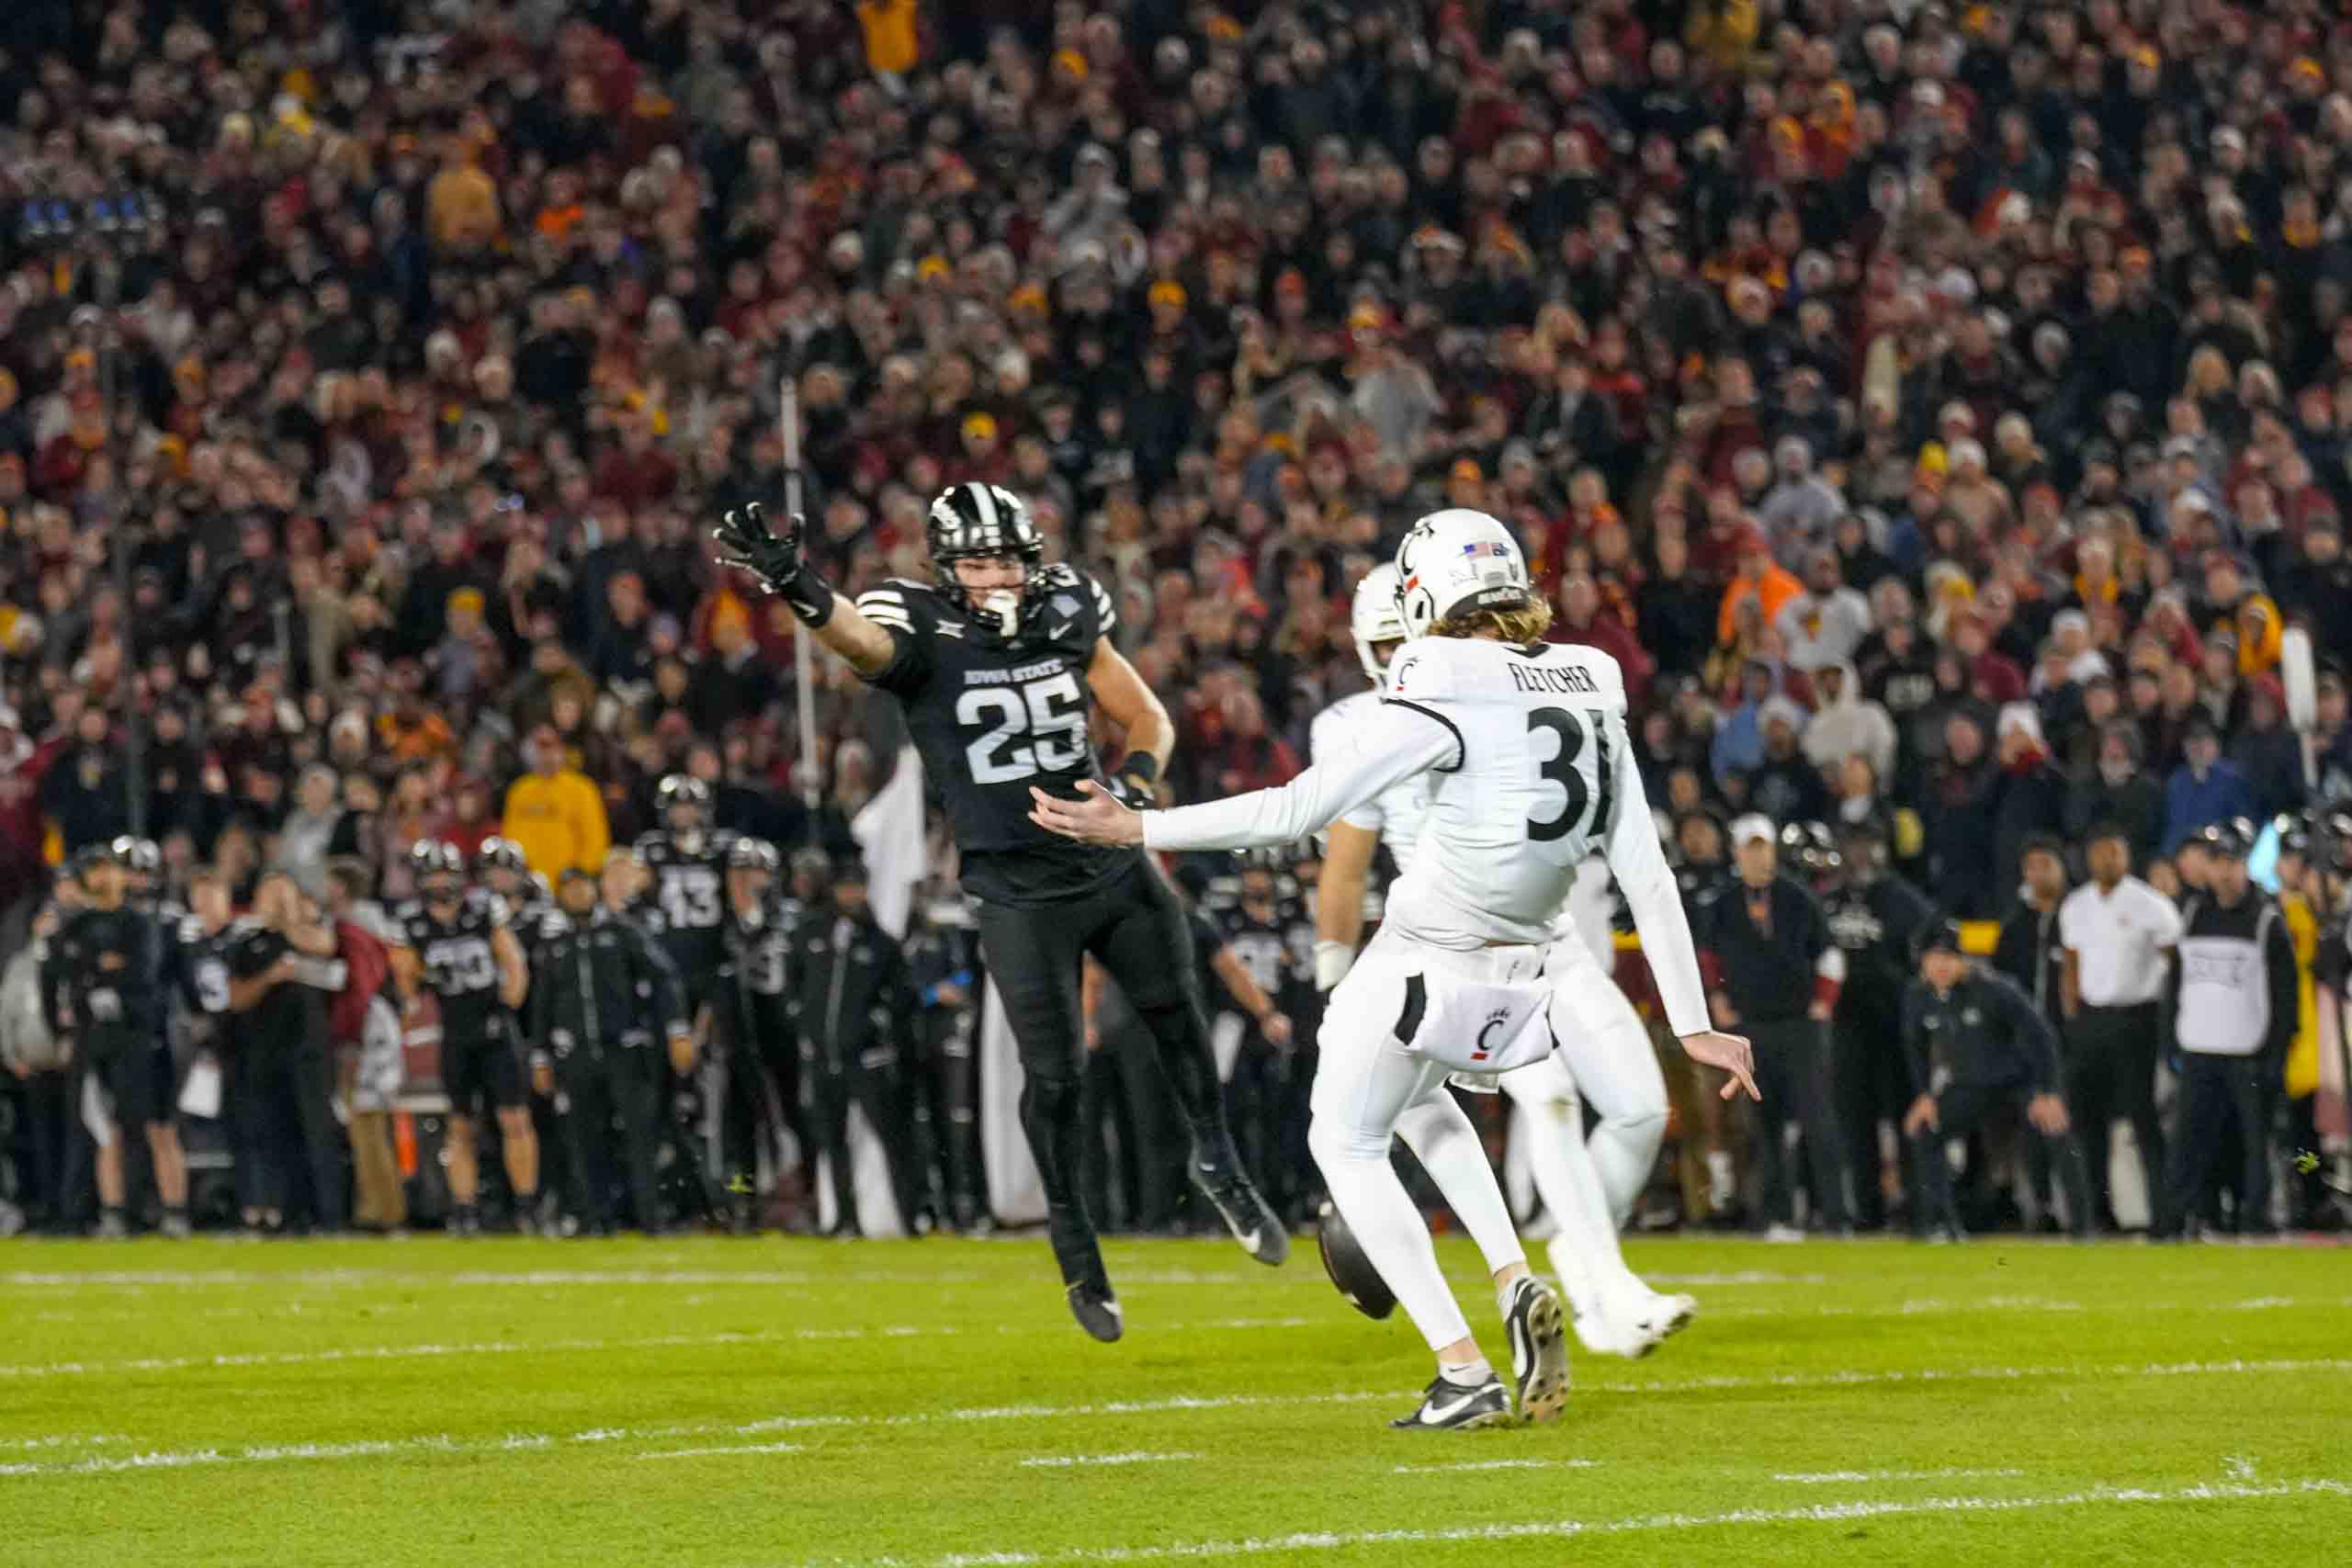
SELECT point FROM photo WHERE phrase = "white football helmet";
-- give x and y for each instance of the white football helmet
(1454, 562)
(1375, 618)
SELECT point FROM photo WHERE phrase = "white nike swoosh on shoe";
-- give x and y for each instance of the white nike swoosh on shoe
(1249, 1241)
(1433, 1417)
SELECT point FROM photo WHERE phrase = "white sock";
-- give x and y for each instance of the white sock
(1365, 1191)
(1470, 1374)
(1584, 1251)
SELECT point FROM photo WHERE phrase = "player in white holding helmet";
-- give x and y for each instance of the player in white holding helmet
(1526, 747)
(1605, 1052)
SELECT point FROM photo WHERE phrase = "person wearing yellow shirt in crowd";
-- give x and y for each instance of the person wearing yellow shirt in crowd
(892, 45)
(554, 812)
(461, 203)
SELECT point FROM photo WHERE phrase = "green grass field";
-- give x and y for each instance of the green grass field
(749, 1404)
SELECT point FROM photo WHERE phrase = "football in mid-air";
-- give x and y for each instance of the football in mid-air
(1350, 1270)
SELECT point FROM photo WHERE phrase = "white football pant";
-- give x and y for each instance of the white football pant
(1369, 1088)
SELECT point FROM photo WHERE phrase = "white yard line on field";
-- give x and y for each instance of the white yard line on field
(1555, 1529)
(1066, 1461)
(1843, 1477)
(1494, 1464)
(542, 1279)
(1170, 1403)
(730, 1448)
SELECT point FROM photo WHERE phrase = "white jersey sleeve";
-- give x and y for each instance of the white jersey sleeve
(1403, 745)
(1639, 863)
(1395, 813)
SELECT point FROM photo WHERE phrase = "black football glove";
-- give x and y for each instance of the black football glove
(746, 543)
(1136, 785)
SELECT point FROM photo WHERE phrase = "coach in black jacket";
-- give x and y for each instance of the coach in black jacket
(850, 1003)
(596, 980)
(1977, 1044)
(1775, 976)
(2233, 1000)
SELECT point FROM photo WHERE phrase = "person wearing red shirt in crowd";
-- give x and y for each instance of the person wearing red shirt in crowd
(1583, 620)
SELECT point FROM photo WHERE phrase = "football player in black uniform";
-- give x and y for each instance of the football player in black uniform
(531, 914)
(474, 967)
(687, 863)
(759, 1065)
(1256, 933)
(1000, 660)
(104, 989)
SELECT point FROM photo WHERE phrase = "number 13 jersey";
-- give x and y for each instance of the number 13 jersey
(992, 717)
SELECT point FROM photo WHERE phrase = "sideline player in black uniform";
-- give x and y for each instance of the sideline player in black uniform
(1875, 917)
(474, 966)
(685, 871)
(501, 866)
(102, 986)
(999, 661)
(759, 1062)
(1258, 932)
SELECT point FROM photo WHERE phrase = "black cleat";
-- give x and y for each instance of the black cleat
(1539, 1351)
(1448, 1406)
(1245, 1213)
(1097, 1310)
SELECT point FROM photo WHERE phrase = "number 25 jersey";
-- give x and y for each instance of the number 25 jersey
(993, 716)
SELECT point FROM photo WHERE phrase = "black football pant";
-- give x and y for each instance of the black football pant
(1872, 1083)
(1136, 1140)
(1135, 927)
(45, 1123)
(2216, 1092)
(293, 1126)
(604, 1089)
(2111, 1072)
(878, 1092)
(1964, 1108)
(759, 1094)
(1792, 1073)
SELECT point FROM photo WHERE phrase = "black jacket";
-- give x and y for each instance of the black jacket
(1984, 1030)
(1768, 976)
(2029, 951)
(103, 979)
(600, 984)
(848, 991)
(1875, 924)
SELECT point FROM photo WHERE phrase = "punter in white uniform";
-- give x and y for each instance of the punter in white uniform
(1526, 745)
(1604, 1049)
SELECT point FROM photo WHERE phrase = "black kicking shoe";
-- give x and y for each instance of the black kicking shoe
(1097, 1310)
(1539, 1351)
(1245, 1213)
(1449, 1407)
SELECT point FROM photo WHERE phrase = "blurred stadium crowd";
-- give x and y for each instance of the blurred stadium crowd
(1943, 414)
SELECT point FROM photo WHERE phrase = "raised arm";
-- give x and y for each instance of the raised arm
(779, 562)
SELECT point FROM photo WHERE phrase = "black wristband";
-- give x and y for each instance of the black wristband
(810, 598)
(1140, 765)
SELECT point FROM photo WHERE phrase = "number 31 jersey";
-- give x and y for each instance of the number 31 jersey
(993, 716)
(1532, 790)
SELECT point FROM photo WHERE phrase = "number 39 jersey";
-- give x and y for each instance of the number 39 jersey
(460, 966)
(993, 716)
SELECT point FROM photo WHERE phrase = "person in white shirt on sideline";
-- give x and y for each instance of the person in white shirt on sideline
(1526, 744)
(1588, 1185)
(2117, 933)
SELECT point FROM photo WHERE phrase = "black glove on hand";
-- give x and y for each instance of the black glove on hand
(1135, 785)
(746, 543)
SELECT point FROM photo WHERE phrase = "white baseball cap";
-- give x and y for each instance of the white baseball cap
(1754, 825)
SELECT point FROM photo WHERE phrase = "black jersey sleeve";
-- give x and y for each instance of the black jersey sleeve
(899, 609)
